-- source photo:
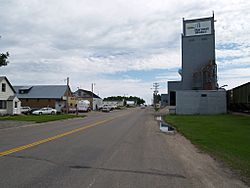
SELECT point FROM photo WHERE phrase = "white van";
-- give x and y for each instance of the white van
(83, 106)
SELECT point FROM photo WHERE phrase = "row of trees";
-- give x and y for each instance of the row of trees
(137, 100)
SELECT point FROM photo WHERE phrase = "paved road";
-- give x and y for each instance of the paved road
(117, 149)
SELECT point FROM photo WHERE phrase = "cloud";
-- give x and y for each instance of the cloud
(234, 77)
(121, 87)
(89, 40)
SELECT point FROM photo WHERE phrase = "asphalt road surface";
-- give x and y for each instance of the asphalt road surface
(117, 149)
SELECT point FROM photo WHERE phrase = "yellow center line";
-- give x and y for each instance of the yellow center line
(20, 148)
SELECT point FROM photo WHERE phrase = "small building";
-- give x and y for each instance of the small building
(164, 100)
(131, 103)
(95, 100)
(114, 103)
(39, 96)
(9, 102)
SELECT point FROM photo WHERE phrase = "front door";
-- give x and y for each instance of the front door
(172, 98)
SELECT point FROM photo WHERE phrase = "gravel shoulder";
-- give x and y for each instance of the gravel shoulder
(200, 168)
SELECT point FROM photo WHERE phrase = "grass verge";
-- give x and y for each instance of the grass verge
(226, 137)
(39, 118)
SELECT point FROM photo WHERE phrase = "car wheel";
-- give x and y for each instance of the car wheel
(40, 113)
(52, 113)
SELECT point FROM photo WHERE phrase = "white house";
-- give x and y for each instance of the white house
(9, 103)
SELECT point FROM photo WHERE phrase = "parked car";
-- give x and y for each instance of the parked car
(25, 110)
(142, 106)
(33, 109)
(105, 109)
(100, 107)
(70, 110)
(46, 110)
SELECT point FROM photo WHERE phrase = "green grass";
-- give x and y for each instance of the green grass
(39, 118)
(225, 137)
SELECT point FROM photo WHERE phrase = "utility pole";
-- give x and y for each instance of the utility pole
(155, 87)
(67, 96)
(124, 99)
(92, 90)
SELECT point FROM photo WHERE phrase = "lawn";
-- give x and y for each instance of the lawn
(225, 137)
(39, 118)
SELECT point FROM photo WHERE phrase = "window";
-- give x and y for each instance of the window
(3, 104)
(203, 95)
(15, 104)
(3, 87)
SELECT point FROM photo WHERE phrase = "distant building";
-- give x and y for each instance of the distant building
(198, 72)
(95, 100)
(130, 103)
(39, 96)
(114, 103)
(9, 102)
(164, 100)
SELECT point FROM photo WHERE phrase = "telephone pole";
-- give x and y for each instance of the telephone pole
(67, 96)
(92, 90)
(155, 87)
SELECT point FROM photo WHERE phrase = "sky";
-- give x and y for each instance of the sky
(121, 46)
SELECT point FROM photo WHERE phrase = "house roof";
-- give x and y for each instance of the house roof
(4, 77)
(12, 98)
(41, 91)
(85, 93)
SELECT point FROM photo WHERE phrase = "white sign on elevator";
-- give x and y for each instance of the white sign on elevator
(198, 28)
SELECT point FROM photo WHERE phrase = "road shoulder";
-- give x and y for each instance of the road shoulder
(202, 169)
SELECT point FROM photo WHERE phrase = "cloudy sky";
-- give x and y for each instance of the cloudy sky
(123, 46)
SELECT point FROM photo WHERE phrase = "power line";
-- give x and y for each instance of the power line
(156, 87)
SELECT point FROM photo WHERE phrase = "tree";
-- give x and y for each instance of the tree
(3, 59)
(157, 98)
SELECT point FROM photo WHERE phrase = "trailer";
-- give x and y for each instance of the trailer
(238, 98)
